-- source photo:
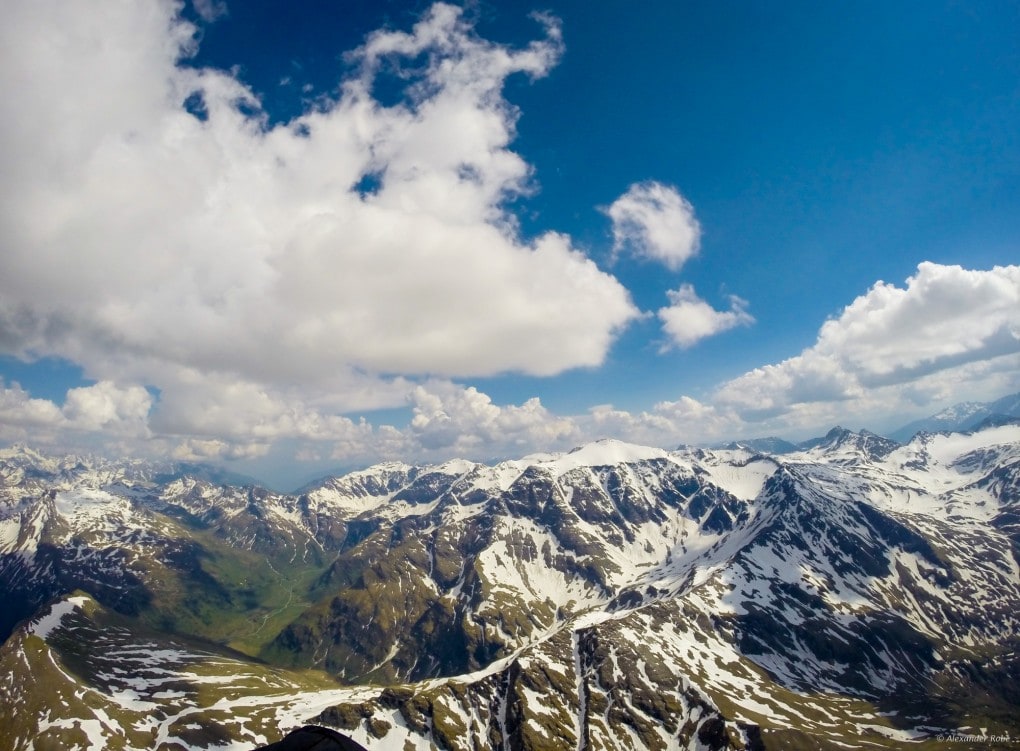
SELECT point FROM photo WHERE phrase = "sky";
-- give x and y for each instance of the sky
(302, 237)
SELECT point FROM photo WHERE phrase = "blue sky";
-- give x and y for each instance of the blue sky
(295, 237)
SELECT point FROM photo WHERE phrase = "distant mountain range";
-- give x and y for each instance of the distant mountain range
(856, 593)
(958, 418)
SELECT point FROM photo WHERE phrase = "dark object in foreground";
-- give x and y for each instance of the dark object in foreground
(314, 738)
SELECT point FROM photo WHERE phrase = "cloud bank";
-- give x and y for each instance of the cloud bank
(948, 328)
(122, 411)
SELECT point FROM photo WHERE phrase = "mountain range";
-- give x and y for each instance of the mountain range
(855, 593)
(961, 417)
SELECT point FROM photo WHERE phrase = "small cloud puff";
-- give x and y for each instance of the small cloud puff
(689, 319)
(210, 10)
(654, 222)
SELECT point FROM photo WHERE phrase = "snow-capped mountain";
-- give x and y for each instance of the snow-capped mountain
(960, 417)
(858, 593)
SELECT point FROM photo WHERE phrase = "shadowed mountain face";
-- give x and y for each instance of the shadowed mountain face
(855, 594)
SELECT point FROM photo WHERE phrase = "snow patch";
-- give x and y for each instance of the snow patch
(45, 625)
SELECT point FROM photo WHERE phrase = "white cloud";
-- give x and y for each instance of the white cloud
(106, 406)
(251, 274)
(103, 406)
(447, 419)
(653, 221)
(18, 408)
(945, 316)
(465, 422)
(141, 241)
(949, 327)
(450, 419)
(668, 423)
(688, 319)
(214, 449)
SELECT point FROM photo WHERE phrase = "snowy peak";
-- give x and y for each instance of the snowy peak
(848, 445)
(961, 417)
(608, 452)
(363, 490)
(961, 412)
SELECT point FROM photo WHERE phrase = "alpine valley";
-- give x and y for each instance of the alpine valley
(857, 593)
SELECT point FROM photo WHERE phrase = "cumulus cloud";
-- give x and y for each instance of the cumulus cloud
(215, 449)
(947, 331)
(668, 423)
(18, 408)
(454, 420)
(107, 406)
(946, 315)
(653, 221)
(464, 421)
(266, 281)
(447, 419)
(688, 319)
(230, 408)
(946, 323)
(154, 224)
(104, 406)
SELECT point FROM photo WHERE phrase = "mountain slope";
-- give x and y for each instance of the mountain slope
(92, 679)
(494, 557)
(183, 553)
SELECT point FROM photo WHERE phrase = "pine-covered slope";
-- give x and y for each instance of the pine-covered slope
(855, 594)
